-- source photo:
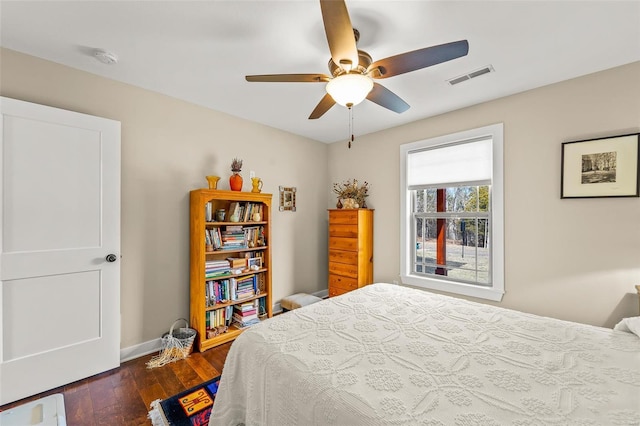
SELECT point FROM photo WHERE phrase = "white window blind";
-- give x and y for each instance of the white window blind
(455, 163)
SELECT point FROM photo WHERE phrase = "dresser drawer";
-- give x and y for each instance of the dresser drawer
(336, 291)
(350, 231)
(348, 217)
(345, 283)
(341, 256)
(343, 269)
(343, 243)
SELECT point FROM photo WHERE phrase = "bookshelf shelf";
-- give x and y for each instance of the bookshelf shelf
(235, 223)
(250, 287)
(235, 302)
(237, 250)
(241, 274)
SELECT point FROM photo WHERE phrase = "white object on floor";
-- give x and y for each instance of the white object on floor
(298, 300)
(47, 411)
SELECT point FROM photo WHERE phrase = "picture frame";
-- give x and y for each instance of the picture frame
(601, 167)
(287, 198)
(257, 261)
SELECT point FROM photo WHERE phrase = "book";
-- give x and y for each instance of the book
(246, 324)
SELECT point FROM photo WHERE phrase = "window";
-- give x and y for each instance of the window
(452, 213)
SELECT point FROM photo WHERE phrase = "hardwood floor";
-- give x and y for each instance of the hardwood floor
(122, 396)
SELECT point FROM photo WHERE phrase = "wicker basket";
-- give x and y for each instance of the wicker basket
(176, 345)
(184, 336)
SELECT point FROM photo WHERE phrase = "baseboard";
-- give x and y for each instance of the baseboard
(145, 348)
(322, 294)
(141, 349)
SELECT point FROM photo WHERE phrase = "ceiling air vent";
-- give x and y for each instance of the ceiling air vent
(472, 74)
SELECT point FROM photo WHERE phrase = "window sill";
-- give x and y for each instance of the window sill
(488, 293)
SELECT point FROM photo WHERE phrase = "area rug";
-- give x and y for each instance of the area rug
(189, 408)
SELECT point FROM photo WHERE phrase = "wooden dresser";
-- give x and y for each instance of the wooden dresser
(350, 250)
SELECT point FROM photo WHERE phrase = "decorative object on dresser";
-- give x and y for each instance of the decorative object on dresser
(351, 195)
(350, 249)
(222, 254)
(235, 181)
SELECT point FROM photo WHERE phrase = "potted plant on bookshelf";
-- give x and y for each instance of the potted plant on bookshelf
(235, 181)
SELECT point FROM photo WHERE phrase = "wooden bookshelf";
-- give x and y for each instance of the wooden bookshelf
(200, 253)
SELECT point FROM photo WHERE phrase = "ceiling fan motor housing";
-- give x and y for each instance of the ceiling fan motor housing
(364, 60)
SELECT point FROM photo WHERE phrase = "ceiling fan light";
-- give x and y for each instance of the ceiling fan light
(349, 88)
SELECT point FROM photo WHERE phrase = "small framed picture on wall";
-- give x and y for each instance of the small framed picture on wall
(287, 198)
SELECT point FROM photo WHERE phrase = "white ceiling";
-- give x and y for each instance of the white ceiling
(200, 51)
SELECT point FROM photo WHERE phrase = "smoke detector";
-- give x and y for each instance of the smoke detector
(105, 57)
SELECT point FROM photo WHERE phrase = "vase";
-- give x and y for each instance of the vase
(350, 203)
(339, 205)
(235, 181)
(213, 181)
(256, 183)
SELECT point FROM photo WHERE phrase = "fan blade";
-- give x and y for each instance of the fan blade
(386, 98)
(289, 78)
(325, 105)
(337, 26)
(418, 59)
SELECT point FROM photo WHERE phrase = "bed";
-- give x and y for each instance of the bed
(391, 355)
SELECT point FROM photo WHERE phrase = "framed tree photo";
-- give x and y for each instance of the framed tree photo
(604, 167)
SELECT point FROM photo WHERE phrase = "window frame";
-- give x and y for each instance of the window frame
(496, 291)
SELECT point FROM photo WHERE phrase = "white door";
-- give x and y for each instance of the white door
(59, 221)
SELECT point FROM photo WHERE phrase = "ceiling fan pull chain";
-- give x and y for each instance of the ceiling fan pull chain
(350, 126)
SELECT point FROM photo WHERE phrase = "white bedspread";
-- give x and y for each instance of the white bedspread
(390, 355)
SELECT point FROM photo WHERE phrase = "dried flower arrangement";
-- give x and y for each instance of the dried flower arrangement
(236, 165)
(349, 189)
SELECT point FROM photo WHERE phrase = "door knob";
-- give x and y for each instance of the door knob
(111, 257)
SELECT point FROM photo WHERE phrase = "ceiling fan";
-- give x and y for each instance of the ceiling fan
(353, 71)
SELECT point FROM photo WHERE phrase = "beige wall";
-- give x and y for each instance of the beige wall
(573, 259)
(570, 259)
(168, 146)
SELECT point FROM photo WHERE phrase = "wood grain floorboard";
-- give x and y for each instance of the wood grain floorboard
(168, 380)
(202, 367)
(122, 396)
